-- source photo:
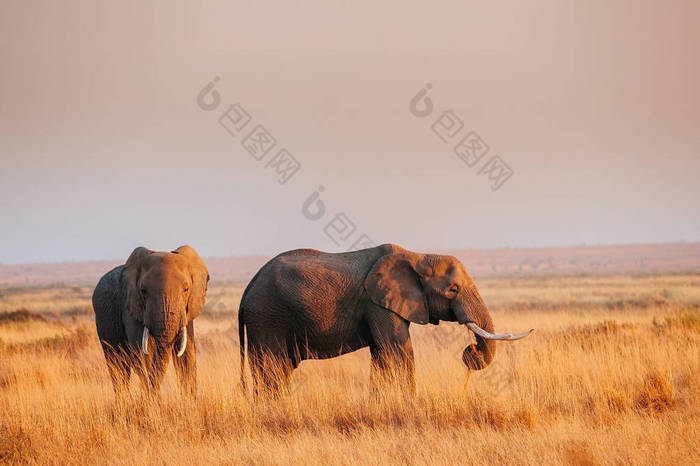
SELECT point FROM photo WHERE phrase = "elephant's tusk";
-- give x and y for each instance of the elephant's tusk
(183, 343)
(496, 336)
(144, 340)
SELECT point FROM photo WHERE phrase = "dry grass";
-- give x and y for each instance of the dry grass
(611, 376)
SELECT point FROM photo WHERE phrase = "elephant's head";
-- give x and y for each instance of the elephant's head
(424, 288)
(164, 292)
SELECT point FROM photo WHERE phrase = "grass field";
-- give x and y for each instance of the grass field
(609, 377)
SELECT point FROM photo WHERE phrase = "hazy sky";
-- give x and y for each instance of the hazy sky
(594, 105)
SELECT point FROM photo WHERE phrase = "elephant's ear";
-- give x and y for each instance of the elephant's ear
(395, 284)
(200, 278)
(130, 279)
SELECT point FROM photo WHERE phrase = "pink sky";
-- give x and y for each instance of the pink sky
(594, 105)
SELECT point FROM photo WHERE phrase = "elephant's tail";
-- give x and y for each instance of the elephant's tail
(241, 327)
(241, 339)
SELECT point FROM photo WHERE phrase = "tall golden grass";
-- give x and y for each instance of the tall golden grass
(610, 376)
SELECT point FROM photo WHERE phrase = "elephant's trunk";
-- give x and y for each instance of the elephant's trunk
(156, 358)
(470, 310)
(478, 356)
(164, 329)
(164, 318)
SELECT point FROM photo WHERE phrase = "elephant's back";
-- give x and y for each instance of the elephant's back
(306, 289)
(355, 263)
(308, 274)
(314, 275)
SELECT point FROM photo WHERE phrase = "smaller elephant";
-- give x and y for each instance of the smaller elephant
(145, 310)
(308, 304)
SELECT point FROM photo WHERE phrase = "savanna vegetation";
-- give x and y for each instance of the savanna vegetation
(609, 377)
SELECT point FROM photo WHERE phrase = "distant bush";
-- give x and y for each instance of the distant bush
(70, 344)
(20, 315)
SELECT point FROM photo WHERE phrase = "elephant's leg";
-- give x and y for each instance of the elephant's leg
(142, 364)
(392, 365)
(256, 367)
(283, 374)
(186, 365)
(391, 350)
(276, 374)
(409, 368)
(115, 346)
(118, 365)
(271, 368)
(375, 371)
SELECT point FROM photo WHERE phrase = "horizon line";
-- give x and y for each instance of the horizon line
(446, 250)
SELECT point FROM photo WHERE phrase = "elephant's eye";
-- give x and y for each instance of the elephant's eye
(453, 289)
(143, 291)
(186, 289)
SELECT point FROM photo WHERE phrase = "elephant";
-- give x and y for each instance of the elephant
(308, 304)
(145, 310)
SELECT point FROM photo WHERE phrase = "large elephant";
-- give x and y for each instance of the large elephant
(307, 304)
(144, 310)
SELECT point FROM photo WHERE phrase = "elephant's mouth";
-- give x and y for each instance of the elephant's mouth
(182, 344)
(496, 336)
